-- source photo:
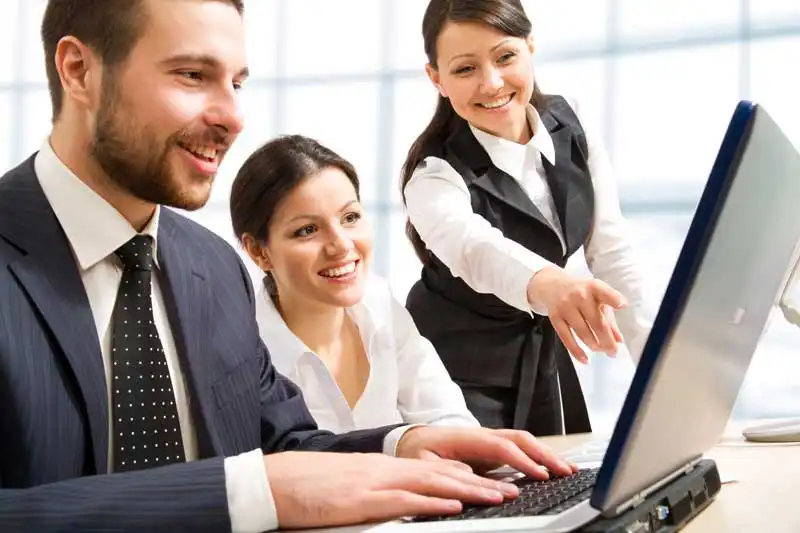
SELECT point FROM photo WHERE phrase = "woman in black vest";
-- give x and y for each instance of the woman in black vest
(501, 188)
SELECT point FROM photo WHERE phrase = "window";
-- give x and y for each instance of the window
(670, 111)
(771, 60)
(767, 14)
(657, 80)
(10, 38)
(8, 152)
(262, 25)
(36, 114)
(331, 38)
(414, 105)
(343, 117)
(675, 20)
(558, 32)
(407, 51)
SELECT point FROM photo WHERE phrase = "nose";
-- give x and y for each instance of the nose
(340, 243)
(225, 112)
(492, 80)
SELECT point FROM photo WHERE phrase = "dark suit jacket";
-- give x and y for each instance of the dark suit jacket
(53, 403)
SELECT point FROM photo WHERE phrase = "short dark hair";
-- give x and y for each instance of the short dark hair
(110, 28)
(271, 173)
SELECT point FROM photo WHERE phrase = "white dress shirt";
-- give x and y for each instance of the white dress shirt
(407, 381)
(95, 230)
(438, 205)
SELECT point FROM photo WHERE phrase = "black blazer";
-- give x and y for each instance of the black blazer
(53, 403)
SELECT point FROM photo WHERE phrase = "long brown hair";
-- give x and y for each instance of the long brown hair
(507, 16)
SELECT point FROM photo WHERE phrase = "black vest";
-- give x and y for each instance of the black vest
(481, 339)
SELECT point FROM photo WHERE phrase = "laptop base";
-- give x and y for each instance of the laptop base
(668, 509)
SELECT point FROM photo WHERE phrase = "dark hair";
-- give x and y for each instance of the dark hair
(109, 28)
(270, 174)
(507, 16)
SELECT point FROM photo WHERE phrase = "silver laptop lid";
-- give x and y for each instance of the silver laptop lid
(734, 263)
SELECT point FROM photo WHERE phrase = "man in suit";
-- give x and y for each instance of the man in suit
(136, 394)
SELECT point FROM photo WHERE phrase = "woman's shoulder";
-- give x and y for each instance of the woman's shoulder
(436, 168)
(284, 346)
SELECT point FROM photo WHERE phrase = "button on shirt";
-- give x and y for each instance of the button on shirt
(407, 381)
(95, 230)
(438, 205)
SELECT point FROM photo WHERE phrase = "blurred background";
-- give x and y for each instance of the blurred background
(658, 78)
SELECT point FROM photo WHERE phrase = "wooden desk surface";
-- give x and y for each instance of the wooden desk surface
(764, 494)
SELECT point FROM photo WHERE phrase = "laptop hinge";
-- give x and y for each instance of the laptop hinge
(641, 496)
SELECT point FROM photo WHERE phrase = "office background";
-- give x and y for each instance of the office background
(658, 78)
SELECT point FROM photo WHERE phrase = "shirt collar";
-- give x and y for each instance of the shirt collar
(509, 156)
(284, 346)
(370, 314)
(94, 228)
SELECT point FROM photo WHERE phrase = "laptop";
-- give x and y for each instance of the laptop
(735, 261)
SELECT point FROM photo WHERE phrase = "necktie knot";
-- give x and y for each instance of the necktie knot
(137, 253)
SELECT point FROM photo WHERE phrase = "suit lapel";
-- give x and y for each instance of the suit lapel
(508, 190)
(49, 274)
(187, 301)
(564, 178)
(560, 185)
(480, 171)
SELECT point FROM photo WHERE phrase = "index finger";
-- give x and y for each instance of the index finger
(538, 451)
(501, 450)
(606, 294)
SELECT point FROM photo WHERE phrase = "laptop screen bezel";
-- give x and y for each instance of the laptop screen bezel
(676, 294)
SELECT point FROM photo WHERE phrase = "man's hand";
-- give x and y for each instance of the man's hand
(484, 449)
(315, 489)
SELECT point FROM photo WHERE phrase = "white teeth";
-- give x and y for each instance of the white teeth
(202, 151)
(338, 272)
(497, 103)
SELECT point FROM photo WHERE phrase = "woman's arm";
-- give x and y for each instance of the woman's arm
(439, 207)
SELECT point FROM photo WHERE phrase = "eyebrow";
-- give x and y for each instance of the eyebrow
(202, 59)
(495, 47)
(312, 217)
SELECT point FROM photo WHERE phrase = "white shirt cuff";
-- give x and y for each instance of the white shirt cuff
(521, 272)
(391, 440)
(250, 503)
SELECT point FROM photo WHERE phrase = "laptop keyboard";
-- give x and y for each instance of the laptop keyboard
(549, 497)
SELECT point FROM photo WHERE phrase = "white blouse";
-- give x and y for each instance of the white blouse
(438, 205)
(407, 381)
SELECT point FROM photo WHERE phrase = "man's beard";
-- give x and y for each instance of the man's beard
(132, 157)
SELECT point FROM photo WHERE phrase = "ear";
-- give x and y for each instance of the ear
(256, 252)
(433, 75)
(79, 70)
(531, 45)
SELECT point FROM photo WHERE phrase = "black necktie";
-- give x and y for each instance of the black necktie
(145, 418)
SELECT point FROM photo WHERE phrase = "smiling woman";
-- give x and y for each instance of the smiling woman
(331, 326)
(501, 188)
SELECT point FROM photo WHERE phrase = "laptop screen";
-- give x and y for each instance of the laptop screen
(738, 252)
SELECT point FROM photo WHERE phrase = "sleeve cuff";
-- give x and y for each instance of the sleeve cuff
(392, 439)
(250, 503)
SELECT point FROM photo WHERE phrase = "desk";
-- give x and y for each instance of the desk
(765, 495)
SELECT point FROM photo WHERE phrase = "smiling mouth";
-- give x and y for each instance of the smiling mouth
(340, 272)
(205, 153)
(497, 103)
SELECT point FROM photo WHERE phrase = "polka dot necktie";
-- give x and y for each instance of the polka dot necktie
(145, 419)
